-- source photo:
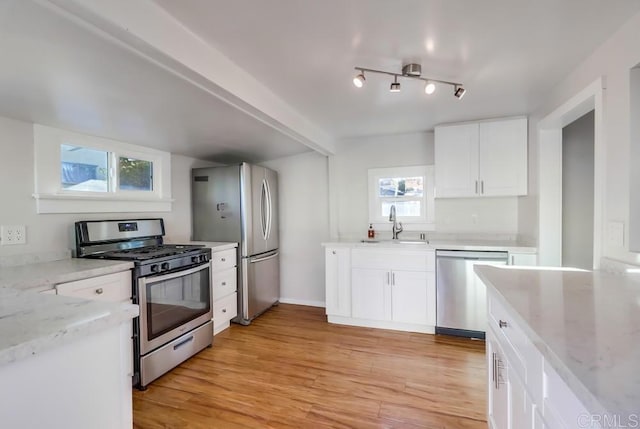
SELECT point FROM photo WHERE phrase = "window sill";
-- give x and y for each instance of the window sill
(56, 203)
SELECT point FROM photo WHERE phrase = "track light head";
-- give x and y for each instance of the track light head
(359, 80)
(459, 92)
(429, 88)
(395, 86)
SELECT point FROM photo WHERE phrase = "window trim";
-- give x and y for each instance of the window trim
(51, 197)
(426, 220)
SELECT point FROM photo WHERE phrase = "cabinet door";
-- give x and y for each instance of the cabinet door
(338, 281)
(503, 157)
(498, 395)
(410, 298)
(523, 259)
(456, 160)
(520, 405)
(370, 294)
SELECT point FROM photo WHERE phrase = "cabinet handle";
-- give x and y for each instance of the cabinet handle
(99, 291)
(224, 310)
(388, 282)
(503, 324)
(333, 251)
(494, 370)
(482, 186)
(476, 186)
(512, 260)
(223, 259)
(224, 283)
(393, 278)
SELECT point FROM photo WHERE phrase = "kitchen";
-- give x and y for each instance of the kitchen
(332, 206)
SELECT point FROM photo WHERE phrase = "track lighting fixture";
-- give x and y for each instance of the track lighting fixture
(358, 81)
(429, 88)
(409, 71)
(395, 86)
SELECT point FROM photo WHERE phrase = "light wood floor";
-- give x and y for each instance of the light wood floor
(291, 369)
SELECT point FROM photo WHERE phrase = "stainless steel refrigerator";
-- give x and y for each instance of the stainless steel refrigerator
(239, 203)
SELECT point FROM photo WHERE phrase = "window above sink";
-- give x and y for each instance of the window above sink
(410, 189)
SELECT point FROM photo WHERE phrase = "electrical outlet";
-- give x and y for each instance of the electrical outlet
(13, 234)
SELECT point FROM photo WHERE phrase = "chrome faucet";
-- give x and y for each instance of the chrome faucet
(397, 226)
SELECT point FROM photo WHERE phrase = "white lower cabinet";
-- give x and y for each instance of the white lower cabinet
(523, 259)
(383, 288)
(524, 391)
(224, 280)
(338, 281)
(114, 352)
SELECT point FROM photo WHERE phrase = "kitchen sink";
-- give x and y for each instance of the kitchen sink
(419, 242)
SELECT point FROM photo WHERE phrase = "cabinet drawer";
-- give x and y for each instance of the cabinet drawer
(523, 357)
(394, 260)
(225, 309)
(224, 283)
(223, 259)
(114, 287)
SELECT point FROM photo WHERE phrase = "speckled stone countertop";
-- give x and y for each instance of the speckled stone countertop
(585, 324)
(31, 322)
(42, 276)
(478, 245)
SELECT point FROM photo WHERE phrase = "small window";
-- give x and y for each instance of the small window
(84, 169)
(77, 173)
(135, 174)
(409, 189)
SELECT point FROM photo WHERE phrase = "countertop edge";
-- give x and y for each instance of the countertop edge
(435, 245)
(113, 314)
(573, 382)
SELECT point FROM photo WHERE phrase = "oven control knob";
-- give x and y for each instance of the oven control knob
(203, 258)
(164, 266)
(195, 259)
(155, 268)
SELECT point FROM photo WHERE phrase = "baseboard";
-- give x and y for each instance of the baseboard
(302, 302)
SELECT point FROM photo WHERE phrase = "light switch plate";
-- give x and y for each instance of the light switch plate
(13, 234)
(615, 234)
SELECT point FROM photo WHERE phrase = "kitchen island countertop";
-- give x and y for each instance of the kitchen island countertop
(32, 322)
(586, 325)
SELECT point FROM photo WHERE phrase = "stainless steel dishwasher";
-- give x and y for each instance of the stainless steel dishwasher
(461, 297)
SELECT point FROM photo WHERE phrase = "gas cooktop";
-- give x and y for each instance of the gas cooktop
(151, 252)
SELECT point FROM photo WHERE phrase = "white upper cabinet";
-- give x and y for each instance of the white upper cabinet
(486, 158)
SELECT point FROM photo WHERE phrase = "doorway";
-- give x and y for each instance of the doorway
(550, 197)
(577, 192)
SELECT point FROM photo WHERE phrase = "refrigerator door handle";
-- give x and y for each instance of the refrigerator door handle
(253, 261)
(269, 209)
(263, 209)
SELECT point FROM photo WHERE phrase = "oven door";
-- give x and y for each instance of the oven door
(173, 304)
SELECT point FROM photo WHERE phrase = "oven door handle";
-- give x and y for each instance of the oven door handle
(177, 274)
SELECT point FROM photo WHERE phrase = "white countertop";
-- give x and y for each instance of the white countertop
(585, 324)
(46, 275)
(31, 322)
(478, 245)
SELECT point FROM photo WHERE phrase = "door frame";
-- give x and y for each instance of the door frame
(550, 173)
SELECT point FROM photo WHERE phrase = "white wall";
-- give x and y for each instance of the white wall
(348, 188)
(50, 232)
(304, 225)
(577, 192)
(612, 60)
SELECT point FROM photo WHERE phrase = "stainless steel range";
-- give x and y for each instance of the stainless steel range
(171, 284)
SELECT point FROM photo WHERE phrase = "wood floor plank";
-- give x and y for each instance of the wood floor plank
(292, 369)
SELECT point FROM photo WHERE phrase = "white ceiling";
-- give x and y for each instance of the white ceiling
(62, 71)
(508, 53)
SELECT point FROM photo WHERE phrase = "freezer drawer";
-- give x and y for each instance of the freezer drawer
(261, 284)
